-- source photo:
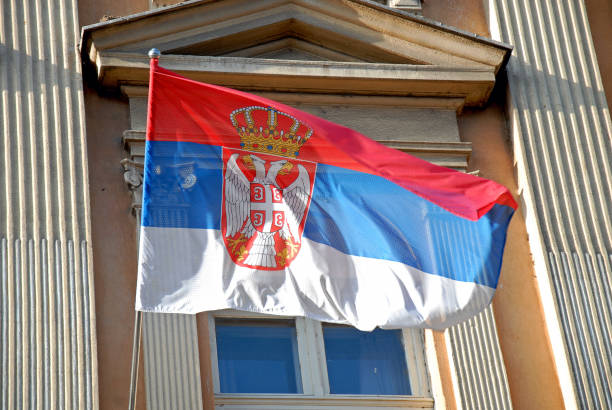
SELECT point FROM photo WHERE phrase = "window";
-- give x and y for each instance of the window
(257, 356)
(282, 362)
(365, 362)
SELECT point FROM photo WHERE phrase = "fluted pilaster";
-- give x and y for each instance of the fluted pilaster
(47, 304)
(561, 132)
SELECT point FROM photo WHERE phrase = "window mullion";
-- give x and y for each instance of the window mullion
(413, 349)
(304, 352)
(320, 379)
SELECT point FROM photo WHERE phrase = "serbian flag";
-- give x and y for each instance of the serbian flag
(250, 204)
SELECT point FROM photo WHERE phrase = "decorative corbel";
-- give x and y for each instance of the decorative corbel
(133, 177)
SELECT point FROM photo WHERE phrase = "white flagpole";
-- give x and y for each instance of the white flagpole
(153, 54)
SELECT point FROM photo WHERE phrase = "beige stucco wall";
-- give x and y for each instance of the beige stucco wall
(467, 15)
(600, 19)
(114, 247)
(94, 11)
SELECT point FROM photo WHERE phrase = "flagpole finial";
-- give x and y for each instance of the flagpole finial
(154, 53)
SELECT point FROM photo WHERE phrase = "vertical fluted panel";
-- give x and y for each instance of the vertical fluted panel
(40, 363)
(172, 361)
(48, 325)
(481, 375)
(563, 148)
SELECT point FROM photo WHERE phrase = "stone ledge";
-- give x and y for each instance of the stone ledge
(473, 84)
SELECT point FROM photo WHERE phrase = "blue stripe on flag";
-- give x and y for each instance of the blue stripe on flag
(183, 183)
(366, 215)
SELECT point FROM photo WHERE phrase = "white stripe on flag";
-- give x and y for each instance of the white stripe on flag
(189, 271)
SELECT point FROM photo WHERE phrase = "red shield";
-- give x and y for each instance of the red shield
(263, 209)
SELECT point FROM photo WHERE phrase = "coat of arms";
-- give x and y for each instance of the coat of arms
(266, 190)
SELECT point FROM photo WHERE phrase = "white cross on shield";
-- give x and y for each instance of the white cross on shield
(267, 207)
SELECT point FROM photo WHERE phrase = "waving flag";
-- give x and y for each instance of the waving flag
(253, 205)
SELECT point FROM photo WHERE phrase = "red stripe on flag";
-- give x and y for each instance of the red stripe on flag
(190, 111)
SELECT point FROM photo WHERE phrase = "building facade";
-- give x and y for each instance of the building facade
(511, 91)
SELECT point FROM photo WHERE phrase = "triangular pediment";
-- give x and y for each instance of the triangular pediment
(335, 30)
(320, 32)
(360, 34)
(291, 48)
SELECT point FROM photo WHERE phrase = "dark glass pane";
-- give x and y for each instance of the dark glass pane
(365, 362)
(258, 356)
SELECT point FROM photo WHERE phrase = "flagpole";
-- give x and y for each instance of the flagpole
(154, 54)
(135, 359)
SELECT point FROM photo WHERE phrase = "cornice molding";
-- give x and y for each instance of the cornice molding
(443, 103)
(474, 85)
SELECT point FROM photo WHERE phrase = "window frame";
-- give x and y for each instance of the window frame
(313, 369)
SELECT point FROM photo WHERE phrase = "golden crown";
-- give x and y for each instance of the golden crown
(264, 129)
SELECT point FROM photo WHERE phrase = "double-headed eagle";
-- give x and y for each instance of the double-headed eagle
(238, 206)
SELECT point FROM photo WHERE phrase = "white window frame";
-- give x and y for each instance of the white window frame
(313, 369)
